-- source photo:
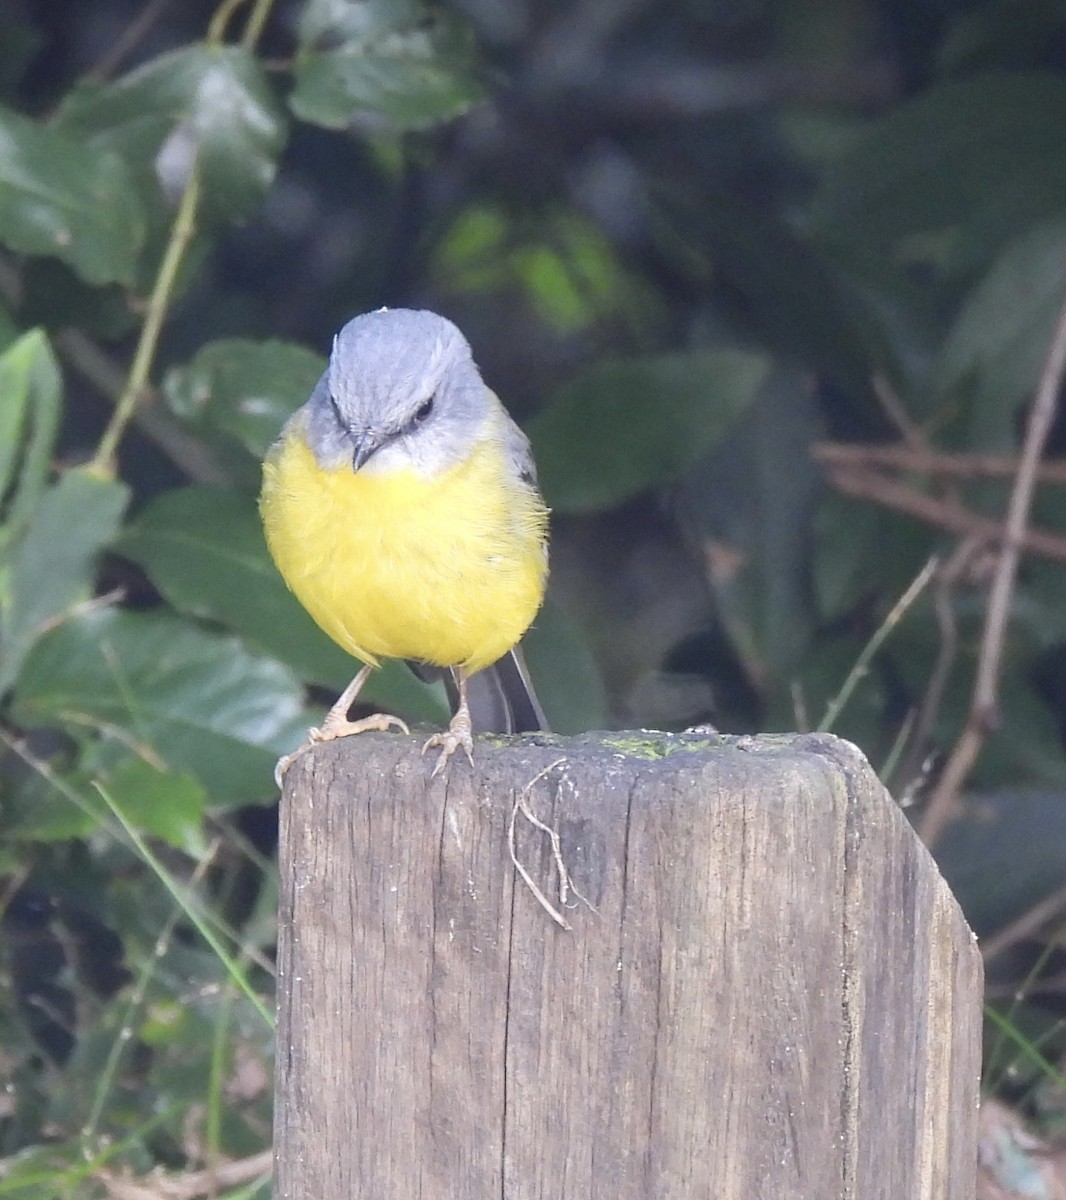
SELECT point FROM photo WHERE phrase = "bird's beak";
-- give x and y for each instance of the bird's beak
(366, 446)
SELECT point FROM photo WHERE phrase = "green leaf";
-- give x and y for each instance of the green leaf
(9, 333)
(565, 672)
(55, 297)
(30, 386)
(64, 199)
(390, 60)
(992, 147)
(164, 804)
(52, 567)
(756, 264)
(214, 102)
(757, 491)
(994, 354)
(626, 426)
(983, 854)
(204, 550)
(246, 388)
(194, 701)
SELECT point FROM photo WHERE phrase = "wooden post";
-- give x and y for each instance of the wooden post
(776, 997)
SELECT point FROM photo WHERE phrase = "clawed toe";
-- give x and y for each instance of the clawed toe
(449, 742)
(332, 728)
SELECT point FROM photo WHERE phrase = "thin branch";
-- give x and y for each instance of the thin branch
(184, 449)
(913, 436)
(136, 382)
(254, 29)
(945, 514)
(188, 1185)
(930, 462)
(216, 30)
(862, 663)
(1026, 926)
(984, 714)
(128, 40)
(947, 578)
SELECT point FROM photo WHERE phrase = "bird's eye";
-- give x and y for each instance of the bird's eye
(424, 409)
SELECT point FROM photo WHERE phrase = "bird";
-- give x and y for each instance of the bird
(400, 505)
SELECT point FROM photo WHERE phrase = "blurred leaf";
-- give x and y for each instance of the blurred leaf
(565, 673)
(211, 103)
(203, 548)
(9, 333)
(52, 567)
(565, 265)
(626, 426)
(197, 701)
(864, 554)
(982, 854)
(393, 60)
(247, 388)
(999, 34)
(54, 297)
(64, 199)
(751, 502)
(30, 385)
(994, 144)
(994, 354)
(163, 804)
(755, 264)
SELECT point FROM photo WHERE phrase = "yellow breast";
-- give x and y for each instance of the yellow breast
(449, 569)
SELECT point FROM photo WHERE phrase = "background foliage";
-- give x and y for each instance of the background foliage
(692, 245)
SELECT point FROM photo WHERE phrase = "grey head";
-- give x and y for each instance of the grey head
(401, 391)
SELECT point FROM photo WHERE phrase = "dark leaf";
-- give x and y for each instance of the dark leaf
(64, 199)
(31, 389)
(388, 60)
(52, 566)
(192, 701)
(247, 388)
(990, 149)
(994, 354)
(624, 427)
(164, 804)
(211, 104)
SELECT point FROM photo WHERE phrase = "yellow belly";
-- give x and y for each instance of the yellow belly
(450, 570)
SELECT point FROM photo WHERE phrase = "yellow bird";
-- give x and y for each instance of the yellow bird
(400, 505)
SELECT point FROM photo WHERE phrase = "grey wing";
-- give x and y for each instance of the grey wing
(519, 452)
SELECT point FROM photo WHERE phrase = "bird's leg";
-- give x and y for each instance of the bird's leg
(337, 725)
(460, 732)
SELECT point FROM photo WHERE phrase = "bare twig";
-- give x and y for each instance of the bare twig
(932, 462)
(984, 715)
(188, 1185)
(945, 514)
(151, 417)
(1028, 924)
(947, 578)
(128, 40)
(913, 436)
(180, 236)
(862, 663)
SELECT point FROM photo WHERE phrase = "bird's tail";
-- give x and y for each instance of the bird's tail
(501, 697)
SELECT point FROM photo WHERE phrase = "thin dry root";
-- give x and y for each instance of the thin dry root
(566, 882)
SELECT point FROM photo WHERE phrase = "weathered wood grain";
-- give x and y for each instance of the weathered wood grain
(776, 996)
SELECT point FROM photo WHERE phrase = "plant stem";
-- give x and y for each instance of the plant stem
(255, 23)
(180, 235)
(216, 30)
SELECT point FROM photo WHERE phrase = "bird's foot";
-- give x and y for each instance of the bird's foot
(459, 735)
(334, 727)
